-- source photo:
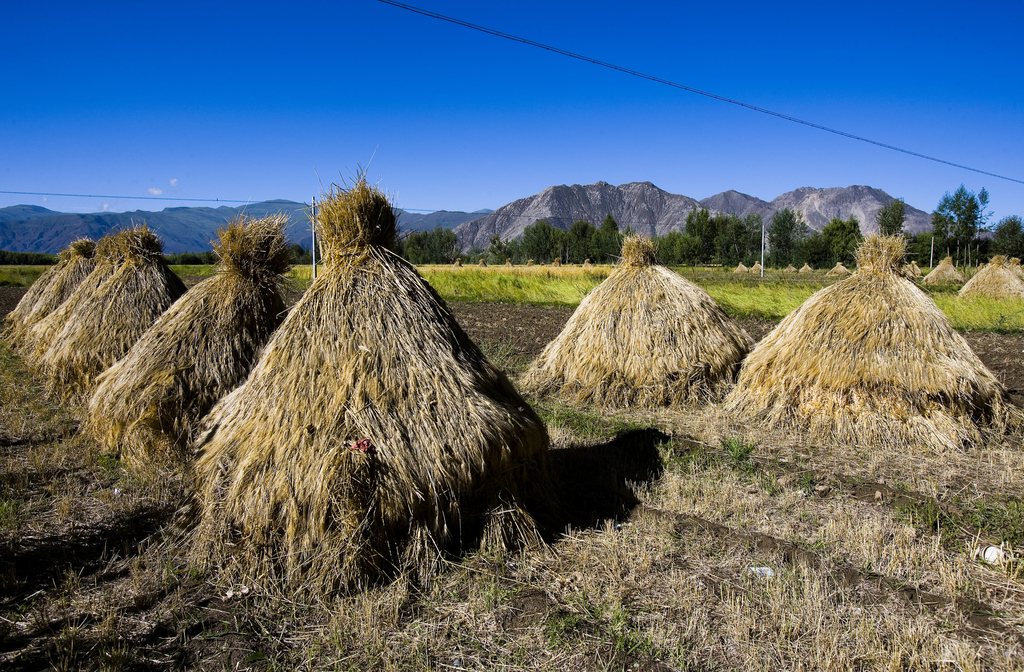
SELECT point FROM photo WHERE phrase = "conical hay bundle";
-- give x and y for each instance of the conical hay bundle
(944, 274)
(806, 268)
(789, 269)
(741, 269)
(372, 436)
(870, 361)
(38, 339)
(587, 264)
(914, 270)
(508, 263)
(75, 268)
(838, 272)
(997, 280)
(458, 262)
(529, 262)
(756, 268)
(103, 326)
(14, 320)
(482, 264)
(1014, 265)
(146, 406)
(644, 337)
(557, 262)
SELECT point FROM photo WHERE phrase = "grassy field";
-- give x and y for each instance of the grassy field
(20, 276)
(686, 543)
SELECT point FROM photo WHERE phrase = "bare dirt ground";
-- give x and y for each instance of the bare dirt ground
(678, 552)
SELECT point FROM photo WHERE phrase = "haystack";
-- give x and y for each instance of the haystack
(508, 263)
(51, 289)
(372, 435)
(806, 268)
(147, 405)
(741, 269)
(587, 264)
(644, 337)
(789, 269)
(997, 280)
(103, 326)
(838, 272)
(944, 274)
(482, 264)
(40, 336)
(756, 268)
(557, 262)
(870, 361)
(914, 270)
(529, 262)
(458, 262)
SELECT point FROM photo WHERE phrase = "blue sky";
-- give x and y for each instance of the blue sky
(256, 101)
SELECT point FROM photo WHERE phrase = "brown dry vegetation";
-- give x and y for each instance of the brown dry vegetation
(689, 544)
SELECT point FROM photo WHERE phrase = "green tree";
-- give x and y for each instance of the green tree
(439, 246)
(958, 220)
(842, 238)
(817, 251)
(606, 244)
(1008, 237)
(890, 217)
(785, 234)
(537, 241)
(700, 226)
(581, 241)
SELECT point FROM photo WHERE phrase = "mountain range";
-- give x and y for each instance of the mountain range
(642, 206)
(649, 210)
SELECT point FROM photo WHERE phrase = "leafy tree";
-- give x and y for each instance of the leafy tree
(700, 226)
(439, 246)
(581, 241)
(785, 234)
(1008, 237)
(606, 244)
(817, 251)
(890, 217)
(959, 218)
(501, 250)
(842, 238)
(737, 239)
(537, 241)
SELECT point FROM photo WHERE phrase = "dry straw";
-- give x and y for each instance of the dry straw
(871, 361)
(482, 264)
(372, 435)
(39, 337)
(557, 262)
(806, 268)
(644, 337)
(508, 263)
(146, 405)
(914, 270)
(756, 268)
(587, 264)
(789, 269)
(997, 280)
(741, 269)
(51, 289)
(458, 262)
(838, 272)
(105, 324)
(944, 274)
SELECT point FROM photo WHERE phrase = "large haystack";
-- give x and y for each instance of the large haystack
(372, 435)
(106, 324)
(147, 404)
(944, 274)
(51, 289)
(997, 280)
(806, 268)
(644, 337)
(870, 361)
(41, 335)
(839, 271)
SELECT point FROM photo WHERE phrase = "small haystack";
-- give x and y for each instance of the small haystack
(997, 280)
(756, 268)
(482, 264)
(644, 337)
(806, 268)
(587, 264)
(51, 289)
(789, 269)
(147, 404)
(741, 269)
(37, 340)
(372, 436)
(508, 263)
(944, 274)
(839, 271)
(458, 262)
(914, 270)
(870, 361)
(557, 262)
(107, 323)
(529, 262)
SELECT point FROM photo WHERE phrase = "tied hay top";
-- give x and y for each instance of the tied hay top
(82, 248)
(881, 255)
(139, 246)
(352, 220)
(253, 249)
(999, 261)
(639, 252)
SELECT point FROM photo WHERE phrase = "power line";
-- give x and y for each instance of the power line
(129, 198)
(659, 80)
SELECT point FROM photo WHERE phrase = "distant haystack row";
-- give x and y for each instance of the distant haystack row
(871, 360)
(645, 336)
(996, 280)
(147, 404)
(372, 435)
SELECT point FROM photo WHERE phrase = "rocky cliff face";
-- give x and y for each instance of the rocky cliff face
(653, 211)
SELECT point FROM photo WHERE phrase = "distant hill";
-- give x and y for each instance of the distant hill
(412, 221)
(649, 210)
